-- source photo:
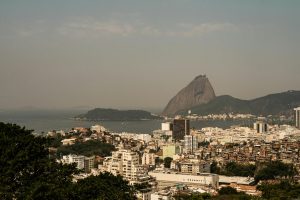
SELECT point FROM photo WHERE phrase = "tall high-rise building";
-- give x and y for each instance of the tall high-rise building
(181, 127)
(89, 163)
(130, 161)
(297, 117)
(148, 159)
(190, 143)
(122, 162)
(260, 127)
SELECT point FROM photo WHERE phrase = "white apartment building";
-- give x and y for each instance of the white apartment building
(166, 126)
(130, 160)
(122, 162)
(148, 159)
(114, 163)
(126, 163)
(69, 159)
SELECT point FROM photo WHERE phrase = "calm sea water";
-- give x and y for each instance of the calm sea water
(44, 121)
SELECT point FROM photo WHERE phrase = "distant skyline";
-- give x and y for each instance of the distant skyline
(139, 54)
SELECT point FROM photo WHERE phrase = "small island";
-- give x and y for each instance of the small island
(105, 114)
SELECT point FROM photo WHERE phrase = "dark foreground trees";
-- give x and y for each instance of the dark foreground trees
(27, 172)
(282, 190)
(167, 162)
(275, 170)
(104, 186)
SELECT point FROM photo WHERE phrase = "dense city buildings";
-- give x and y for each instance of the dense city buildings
(186, 159)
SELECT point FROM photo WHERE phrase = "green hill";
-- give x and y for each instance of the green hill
(102, 114)
(273, 104)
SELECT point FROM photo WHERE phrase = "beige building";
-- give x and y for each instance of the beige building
(170, 178)
(89, 163)
(148, 159)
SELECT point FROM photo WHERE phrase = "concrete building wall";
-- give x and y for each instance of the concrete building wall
(202, 179)
(167, 126)
(170, 151)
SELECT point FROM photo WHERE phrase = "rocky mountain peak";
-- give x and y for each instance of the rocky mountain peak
(197, 92)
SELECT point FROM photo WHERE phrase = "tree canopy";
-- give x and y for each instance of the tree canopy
(105, 186)
(235, 169)
(167, 162)
(27, 172)
(273, 170)
(88, 148)
(282, 190)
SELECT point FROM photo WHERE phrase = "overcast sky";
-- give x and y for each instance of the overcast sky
(138, 53)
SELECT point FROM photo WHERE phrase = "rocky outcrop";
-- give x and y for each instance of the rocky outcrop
(198, 92)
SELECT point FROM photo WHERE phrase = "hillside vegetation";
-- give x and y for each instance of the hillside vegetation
(117, 115)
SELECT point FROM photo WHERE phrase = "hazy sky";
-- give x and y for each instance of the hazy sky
(138, 53)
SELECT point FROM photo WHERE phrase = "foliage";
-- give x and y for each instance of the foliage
(235, 197)
(227, 190)
(235, 169)
(193, 196)
(142, 186)
(27, 172)
(118, 115)
(88, 148)
(167, 162)
(283, 190)
(232, 194)
(214, 168)
(159, 161)
(229, 194)
(105, 186)
(152, 151)
(274, 169)
(55, 141)
(203, 144)
(165, 137)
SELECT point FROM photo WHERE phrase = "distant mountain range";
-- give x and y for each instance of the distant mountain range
(273, 104)
(199, 97)
(103, 114)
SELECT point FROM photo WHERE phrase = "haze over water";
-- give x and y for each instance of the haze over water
(44, 121)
